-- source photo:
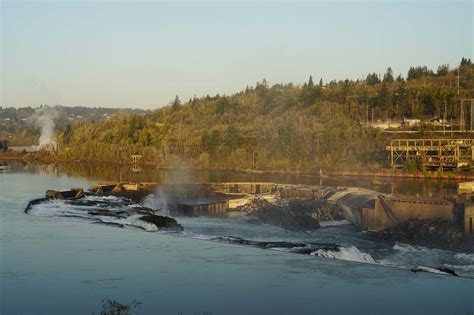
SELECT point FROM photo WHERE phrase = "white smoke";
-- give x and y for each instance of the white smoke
(44, 119)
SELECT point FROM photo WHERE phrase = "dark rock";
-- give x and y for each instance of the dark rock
(432, 233)
(143, 210)
(448, 270)
(293, 247)
(134, 195)
(107, 213)
(162, 221)
(294, 215)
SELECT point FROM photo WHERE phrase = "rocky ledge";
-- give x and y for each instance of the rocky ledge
(291, 214)
(162, 221)
(431, 233)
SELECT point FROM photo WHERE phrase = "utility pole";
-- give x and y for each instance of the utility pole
(471, 120)
(444, 118)
(462, 111)
(472, 114)
(458, 78)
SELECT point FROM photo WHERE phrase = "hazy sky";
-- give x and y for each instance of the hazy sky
(141, 54)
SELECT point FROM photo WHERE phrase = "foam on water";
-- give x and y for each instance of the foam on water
(356, 248)
(56, 208)
(105, 198)
(133, 221)
(350, 253)
(407, 256)
(432, 270)
(64, 209)
(465, 269)
(465, 257)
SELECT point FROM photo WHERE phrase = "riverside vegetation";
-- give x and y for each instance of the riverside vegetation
(280, 127)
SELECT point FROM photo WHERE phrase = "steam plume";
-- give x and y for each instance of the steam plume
(43, 118)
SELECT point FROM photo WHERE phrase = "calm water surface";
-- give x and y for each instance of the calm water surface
(59, 266)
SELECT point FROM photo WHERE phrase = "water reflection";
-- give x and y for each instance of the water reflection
(149, 173)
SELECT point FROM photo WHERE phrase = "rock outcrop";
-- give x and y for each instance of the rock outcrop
(162, 221)
(434, 233)
(294, 215)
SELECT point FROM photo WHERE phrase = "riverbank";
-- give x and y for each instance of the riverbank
(42, 157)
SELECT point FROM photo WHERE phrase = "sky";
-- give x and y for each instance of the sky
(143, 54)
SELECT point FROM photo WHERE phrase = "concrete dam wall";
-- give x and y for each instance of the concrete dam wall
(367, 209)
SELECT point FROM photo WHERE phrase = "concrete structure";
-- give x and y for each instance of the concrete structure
(74, 193)
(391, 211)
(466, 188)
(469, 219)
(410, 122)
(202, 207)
(303, 192)
(365, 208)
(244, 188)
(385, 125)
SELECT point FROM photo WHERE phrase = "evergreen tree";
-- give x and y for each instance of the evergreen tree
(384, 97)
(400, 78)
(372, 79)
(442, 70)
(176, 103)
(419, 72)
(388, 77)
(310, 82)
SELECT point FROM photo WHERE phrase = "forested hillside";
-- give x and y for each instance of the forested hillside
(280, 126)
(18, 125)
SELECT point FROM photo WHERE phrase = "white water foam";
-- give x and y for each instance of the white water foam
(133, 221)
(57, 208)
(60, 208)
(465, 257)
(198, 236)
(351, 253)
(407, 256)
(465, 268)
(104, 198)
(431, 270)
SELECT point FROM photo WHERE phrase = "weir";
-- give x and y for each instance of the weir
(367, 209)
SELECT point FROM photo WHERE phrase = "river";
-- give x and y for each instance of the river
(53, 265)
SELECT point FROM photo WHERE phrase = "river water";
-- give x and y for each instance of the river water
(52, 265)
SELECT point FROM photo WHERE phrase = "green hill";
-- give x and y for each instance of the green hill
(278, 127)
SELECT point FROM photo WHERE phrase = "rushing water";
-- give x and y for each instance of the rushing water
(56, 265)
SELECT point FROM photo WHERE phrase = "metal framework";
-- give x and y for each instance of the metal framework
(432, 154)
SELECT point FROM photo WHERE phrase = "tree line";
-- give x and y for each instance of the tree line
(278, 127)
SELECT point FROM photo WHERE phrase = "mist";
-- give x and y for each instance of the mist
(164, 197)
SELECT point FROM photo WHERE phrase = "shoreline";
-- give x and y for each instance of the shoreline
(378, 173)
